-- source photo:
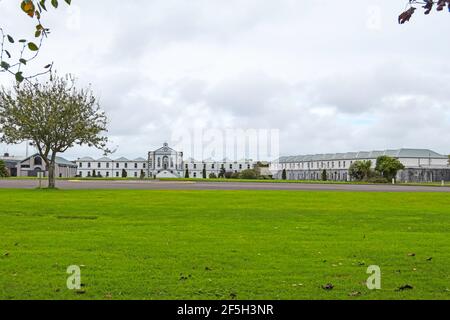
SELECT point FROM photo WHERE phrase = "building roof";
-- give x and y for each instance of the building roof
(86, 159)
(104, 159)
(397, 153)
(139, 159)
(58, 160)
(122, 159)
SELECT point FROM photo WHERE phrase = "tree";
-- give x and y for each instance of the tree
(204, 173)
(222, 172)
(16, 54)
(3, 172)
(324, 175)
(361, 170)
(94, 174)
(186, 174)
(54, 115)
(388, 167)
(142, 175)
(124, 173)
(428, 6)
(284, 175)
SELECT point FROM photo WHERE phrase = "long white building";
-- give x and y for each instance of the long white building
(420, 165)
(164, 162)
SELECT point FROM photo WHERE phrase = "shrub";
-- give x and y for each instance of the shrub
(284, 175)
(212, 176)
(249, 174)
(228, 175)
(3, 172)
(324, 175)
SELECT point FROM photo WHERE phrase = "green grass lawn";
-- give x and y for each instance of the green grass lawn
(223, 244)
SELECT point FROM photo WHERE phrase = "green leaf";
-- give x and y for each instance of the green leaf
(38, 33)
(23, 61)
(68, 2)
(5, 65)
(55, 3)
(22, 40)
(8, 54)
(32, 46)
(19, 77)
(10, 39)
(42, 3)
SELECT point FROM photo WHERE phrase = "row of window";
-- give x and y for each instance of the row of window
(316, 165)
(107, 174)
(195, 166)
(99, 165)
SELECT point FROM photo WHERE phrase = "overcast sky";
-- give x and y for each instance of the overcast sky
(332, 76)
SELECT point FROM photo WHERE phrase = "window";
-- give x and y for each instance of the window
(89, 164)
(126, 165)
(89, 174)
(248, 166)
(117, 174)
(81, 165)
(231, 166)
(135, 165)
(143, 165)
(117, 165)
(99, 165)
(195, 174)
(80, 174)
(186, 166)
(107, 165)
(240, 166)
(107, 174)
(195, 166)
(212, 166)
(135, 174)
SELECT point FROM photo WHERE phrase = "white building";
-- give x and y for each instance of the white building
(109, 168)
(420, 165)
(164, 162)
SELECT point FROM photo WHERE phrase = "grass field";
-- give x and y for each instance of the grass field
(223, 244)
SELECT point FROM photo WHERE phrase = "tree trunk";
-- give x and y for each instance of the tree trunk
(51, 173)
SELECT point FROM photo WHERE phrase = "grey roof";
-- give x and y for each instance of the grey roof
(397, 153)
(62, 161)
(86, 159)
(139, 159)
(104, 159)
(122, 159)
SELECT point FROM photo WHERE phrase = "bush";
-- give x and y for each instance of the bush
(324, 175)
(228, 175)
(124, 173)
(212, 176)
(284, 175)
(235, 175)
(186, 174)
(378, 179)
(3, 172)
(249, 174)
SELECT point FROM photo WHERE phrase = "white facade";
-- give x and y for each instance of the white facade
(109, 168)
(161, 163)
(311, 167)
(196, 168)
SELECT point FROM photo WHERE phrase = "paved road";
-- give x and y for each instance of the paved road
(180, 185)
